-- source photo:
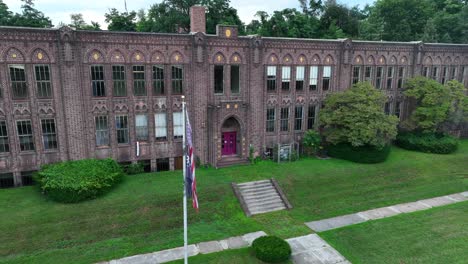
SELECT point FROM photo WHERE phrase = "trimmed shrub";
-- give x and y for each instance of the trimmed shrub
(364, 154)
(79, 180)
(427, 142)
(271, 249)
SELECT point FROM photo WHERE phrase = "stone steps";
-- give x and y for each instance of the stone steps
(259, 197)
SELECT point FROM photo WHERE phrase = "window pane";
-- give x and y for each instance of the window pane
(311, 117)
(97, 81)
(139, 84)
(42, 74)
(25, 135)
(271, 78)
(270, 123)
(285, 77)
(313, 80)
(356, 74)
(4, 142)
(141, 127)
(284, 119)
(177, 80)
(102, 131)
(298, 118)
(118, 77)
(368, 73)
(121, 126)
(178, 124)
(158, 80)
(389, 78)
(18, 81)
(326, 78)
(235, 79)
(160, 126)
(218, 79)
(49, 135)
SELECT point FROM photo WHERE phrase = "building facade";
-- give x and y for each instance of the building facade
(68, 94)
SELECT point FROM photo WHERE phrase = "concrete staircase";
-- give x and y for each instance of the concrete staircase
(261, 197)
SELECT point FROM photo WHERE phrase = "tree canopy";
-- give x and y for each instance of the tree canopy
(356, 116)
(29, 17)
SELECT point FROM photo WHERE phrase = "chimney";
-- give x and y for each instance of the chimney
(197, 19)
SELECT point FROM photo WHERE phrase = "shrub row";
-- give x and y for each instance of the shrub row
(364, 154)
(75, 181)
(271, 249)
(427, 142)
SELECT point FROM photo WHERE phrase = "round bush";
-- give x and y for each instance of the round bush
(427, 142)
(75, 181)
(364, 154)
(271, 249)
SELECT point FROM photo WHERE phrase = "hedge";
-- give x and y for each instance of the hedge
(427, 142)
(271, 249)
(364, 154)
(75, 181)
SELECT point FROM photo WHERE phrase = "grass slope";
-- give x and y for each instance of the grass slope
(236, 256)
(438, 235)
(144, 213)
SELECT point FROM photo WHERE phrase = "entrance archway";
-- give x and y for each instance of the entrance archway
(230, 137)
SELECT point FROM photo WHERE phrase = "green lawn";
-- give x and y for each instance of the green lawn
(144, 213)
(438, 235)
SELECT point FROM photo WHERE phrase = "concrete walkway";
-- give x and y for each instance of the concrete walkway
(312, 249)
(356, 218)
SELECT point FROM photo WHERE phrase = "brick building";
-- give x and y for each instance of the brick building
(70, 94)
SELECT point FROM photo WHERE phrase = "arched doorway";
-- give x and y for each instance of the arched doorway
(230, 137)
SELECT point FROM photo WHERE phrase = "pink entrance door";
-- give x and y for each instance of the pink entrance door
(228, 143)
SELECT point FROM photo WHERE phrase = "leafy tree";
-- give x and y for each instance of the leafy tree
(5, 14)
(356, 116)
(125, 21)
(340, 17)
(437, 107)
(430, 32)
(78, 22)
(30, 17)
(169, 15)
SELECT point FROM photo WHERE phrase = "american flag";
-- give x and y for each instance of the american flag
(190, 180)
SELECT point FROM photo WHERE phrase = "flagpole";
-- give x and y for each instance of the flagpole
(184, 174)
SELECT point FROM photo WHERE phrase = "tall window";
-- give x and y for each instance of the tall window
(44, 87)
(401, 77)
(378, 78)
(425, 72)
(390, 78)
(356, 74)
(218, 79)
(300, 75)
(387, 108)
(311, 117)
(18, 81)
(435, 73)
(465, 75)
(313, 80)
(177, 80)
(368, 74)
(270, 120)
(160, 126)
(4, 144)
(118, 79)
(141, 127)
(235, 79)
(326, 78)
(453, 72)
(97, 80)
(121, 126)
(298, 118)
(284, 121)
(49, 135)
(445, 75)
(158, 80)
(398, 109)
(102, 131)
(178, 122)
(25, 134)
(139, 88)
(285, 78)
(271, 78)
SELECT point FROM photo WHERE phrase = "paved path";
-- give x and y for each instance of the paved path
(312, 249)
(351, 219)
(193, 250)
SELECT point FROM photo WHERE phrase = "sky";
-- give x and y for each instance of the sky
(94, 10)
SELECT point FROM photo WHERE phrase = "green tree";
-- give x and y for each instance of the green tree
(125, 21)
(30, 17)
(78, 22)
(5, 14)
(342, 18)
(437, 108)
(356, 116)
